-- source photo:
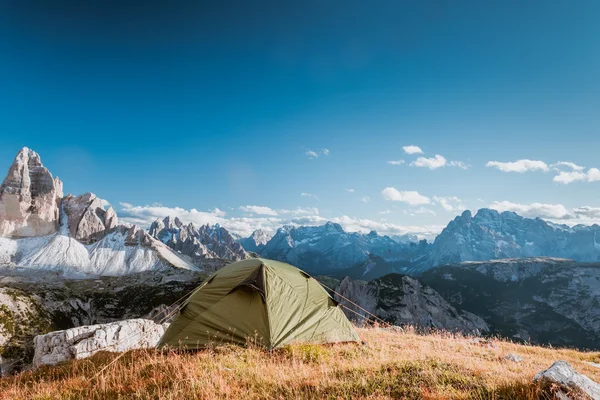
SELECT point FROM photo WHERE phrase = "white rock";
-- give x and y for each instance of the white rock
(563, 374)
(29, 198)
(85, 341)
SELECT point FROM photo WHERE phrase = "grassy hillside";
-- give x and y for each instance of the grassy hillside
(392, 365)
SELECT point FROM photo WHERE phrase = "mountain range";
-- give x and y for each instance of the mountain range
(69, 260)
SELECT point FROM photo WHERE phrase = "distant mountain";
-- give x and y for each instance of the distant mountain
(543, 300)
(204, 242)
(492, 235)
(73, 235)
(328, 248)
(256, 242)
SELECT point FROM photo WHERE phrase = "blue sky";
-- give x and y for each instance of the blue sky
(184, 106)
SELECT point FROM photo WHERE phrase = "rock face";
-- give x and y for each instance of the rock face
(402, 300)
(200, 243)
(328, 248)
(256, 242)
(85, 341)
(29, 198)
(492, 235)
(21, 317)
(542, 300)
(87, 219)
(571, 383)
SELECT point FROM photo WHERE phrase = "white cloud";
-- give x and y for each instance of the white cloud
(533, 210)
(311, 154)
(410, 197)
(365, 199)
(567, 164)
(412, 149)
(396, 162)
(552, 212)
(458, 164)
(350, 190)
(303, 194)
(566, 177)
(431, 163)
(520, 166)
(218, 213)
(452, 203)
(260, 210)
(384, 212)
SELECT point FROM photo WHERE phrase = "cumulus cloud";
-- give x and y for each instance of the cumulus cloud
(350, 190)
(437, 161)
(325, 152)
(412, 149)
(452, 203)
(566, 177)
(519, 166)
(533, 210)
(396, 162)
(218, 213)
(410, 197)
(365, 199)
(567, 164)
(260, 210)
(244, 226)
(552, 212)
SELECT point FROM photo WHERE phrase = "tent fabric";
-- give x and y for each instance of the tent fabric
(265, 302)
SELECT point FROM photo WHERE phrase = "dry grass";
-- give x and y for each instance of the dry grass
(392, 365)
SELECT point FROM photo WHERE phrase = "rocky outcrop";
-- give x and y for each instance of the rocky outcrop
(256, 242)
(21, 318)
(566, 383)
(539, 300)
(29, 198)
(402, 300)
(201, 243)
(87, 219)
(85, 341)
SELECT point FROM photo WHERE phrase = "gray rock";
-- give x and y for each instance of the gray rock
(206, 242)
(402, 300)
(87, 217)
(85, 341)
(29, 198)
(513, 357)
(256, 242)
(562, 374)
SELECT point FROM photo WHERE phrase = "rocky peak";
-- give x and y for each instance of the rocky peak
(86, 217)
(202, 243)
(29, 198)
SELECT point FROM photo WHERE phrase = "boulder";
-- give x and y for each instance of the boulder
(572, 384)
(29, 198)
(85, 341)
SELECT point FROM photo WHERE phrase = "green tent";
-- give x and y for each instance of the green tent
(267, 302)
